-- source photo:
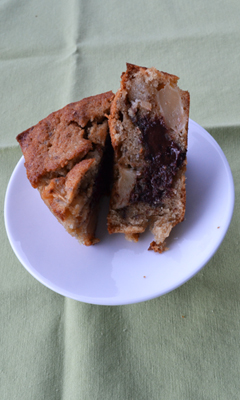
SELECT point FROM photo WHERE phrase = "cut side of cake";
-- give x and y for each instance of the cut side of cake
(148, 127)
(68, 159)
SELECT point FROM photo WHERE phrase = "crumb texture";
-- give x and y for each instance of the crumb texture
(148, 128)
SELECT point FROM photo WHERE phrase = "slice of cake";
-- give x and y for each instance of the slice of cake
(148, 128)
(67, 159)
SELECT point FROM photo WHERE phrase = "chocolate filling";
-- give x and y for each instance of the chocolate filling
(163, 160)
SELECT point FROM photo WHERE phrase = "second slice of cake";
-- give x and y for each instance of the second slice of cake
(148, 128)
(68, 159)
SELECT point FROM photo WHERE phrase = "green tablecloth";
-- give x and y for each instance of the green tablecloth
(51, 347)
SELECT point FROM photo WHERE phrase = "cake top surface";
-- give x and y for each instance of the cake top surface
(65, 136)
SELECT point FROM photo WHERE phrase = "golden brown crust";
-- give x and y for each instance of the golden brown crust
(146, 95)
(59, 139)
(64, 155)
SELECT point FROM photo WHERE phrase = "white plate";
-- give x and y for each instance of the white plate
(116, 271)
